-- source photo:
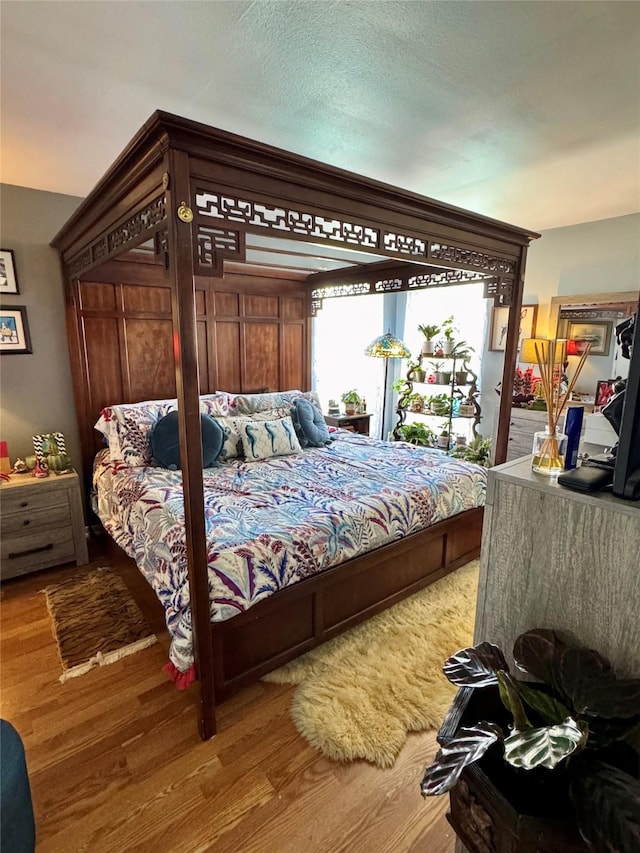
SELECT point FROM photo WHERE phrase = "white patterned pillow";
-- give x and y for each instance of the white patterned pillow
(264, 439)
(232, 426)
(249, 404)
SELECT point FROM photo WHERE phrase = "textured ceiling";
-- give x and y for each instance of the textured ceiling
(528, 112)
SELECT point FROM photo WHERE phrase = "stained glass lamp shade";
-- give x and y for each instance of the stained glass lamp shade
(386, 346)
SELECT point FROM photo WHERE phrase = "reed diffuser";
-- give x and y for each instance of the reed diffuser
(549, 446)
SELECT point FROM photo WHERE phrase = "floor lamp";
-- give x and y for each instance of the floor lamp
(386, 346)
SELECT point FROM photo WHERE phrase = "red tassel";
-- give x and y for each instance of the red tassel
(182, 680)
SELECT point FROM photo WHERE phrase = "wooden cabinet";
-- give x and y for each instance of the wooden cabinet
(554, 558)
(41, 523)
(354, 423)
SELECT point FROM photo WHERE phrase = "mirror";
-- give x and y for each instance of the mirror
(593, 317)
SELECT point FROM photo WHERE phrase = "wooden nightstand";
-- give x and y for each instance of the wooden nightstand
(42, 524)
(354, 423)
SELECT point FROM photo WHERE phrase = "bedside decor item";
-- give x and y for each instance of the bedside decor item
(51, 451)
(386, 346)
(549, 446)
(95, 621)
(555, 758)
(351, 400)
(8, 275)
(360, 694)
(5, 463)
(14, 330)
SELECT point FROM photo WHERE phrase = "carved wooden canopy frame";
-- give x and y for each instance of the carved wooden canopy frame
(197, 191)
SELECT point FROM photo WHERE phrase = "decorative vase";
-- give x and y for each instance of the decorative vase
(350, 408)
(447, 347)
(444, 377)
(549, 451)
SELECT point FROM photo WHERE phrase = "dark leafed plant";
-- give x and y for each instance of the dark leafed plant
(581, 718)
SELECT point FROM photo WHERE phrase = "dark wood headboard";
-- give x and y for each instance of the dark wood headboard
(253, 334)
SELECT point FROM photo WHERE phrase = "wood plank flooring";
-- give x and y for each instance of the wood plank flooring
(116, 764)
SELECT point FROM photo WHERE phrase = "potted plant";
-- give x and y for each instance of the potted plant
(461, 351)
(417, 433)
(430, 333)
(351, 400)
(404, 389)
(448, 330)
(443, 439)
(478, 450)
(440, 404)
(416, 402)
(415, 371)
(553, 765)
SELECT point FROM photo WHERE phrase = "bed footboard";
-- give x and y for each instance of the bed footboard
(315, 610)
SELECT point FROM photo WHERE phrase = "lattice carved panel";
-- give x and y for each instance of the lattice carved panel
(403, 244)
(500, 289)
(388, 285)
(134, 230)
(443, 278)
(471, 258)
(285, 220)
(316, 306)
(214, 244)
(334, 290)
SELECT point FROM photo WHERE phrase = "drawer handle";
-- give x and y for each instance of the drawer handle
(24, 503)
(48, 547)
(26, 521)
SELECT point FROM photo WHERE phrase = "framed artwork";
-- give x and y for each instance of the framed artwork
(8, 275)
(598, 334)
(14, 330)
(604, 392)
(500, 320)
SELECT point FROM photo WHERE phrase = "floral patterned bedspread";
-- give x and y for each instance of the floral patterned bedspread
(274, 522)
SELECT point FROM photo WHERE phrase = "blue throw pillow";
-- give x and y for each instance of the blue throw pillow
(311, 423)
(165, 441)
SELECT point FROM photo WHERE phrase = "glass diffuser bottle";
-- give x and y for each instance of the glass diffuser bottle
(549, 451)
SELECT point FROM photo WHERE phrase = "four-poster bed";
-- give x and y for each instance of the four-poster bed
(192, 267)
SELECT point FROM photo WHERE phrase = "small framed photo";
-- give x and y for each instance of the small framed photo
(500, 321)
(604, 392)
(14, 330)
(8, 275)
(598, 334)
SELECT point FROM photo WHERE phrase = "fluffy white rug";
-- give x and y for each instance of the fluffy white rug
(360, 694)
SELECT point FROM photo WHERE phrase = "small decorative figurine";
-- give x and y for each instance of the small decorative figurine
(41, 469)
(20, 466)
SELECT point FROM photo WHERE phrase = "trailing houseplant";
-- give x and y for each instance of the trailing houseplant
(449, 331)
(581, 722)
(478, 450)
(351, 400)
(416, 433)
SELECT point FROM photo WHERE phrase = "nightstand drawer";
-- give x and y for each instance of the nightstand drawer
(30, 520)
(23, 554)
(32, 499)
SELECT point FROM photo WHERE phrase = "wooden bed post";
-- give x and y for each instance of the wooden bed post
(509, 364)
(183, 308)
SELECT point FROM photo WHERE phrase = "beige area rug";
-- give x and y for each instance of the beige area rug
(95, 621)
(361, 693)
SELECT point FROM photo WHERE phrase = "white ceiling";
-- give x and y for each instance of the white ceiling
(528, 112)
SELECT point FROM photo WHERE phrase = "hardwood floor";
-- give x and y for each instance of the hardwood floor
(115, 761)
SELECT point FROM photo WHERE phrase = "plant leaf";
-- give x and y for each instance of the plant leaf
(535, 652)
(550, 709)
(511, 700)
(606, 802)
(543, 747)
(604, 732)
(476, 666)
(586, 678)
(468, 746)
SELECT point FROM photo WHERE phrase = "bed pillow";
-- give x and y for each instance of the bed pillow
(248, 404)
(126, 427)
(311, 423)
(264, 439)
(165, 441)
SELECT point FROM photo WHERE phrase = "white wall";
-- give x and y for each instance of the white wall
(594, 257)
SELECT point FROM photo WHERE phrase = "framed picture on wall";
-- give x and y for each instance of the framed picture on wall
(499, 323)
(14, 330)
(8, 275)
(598, 334)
